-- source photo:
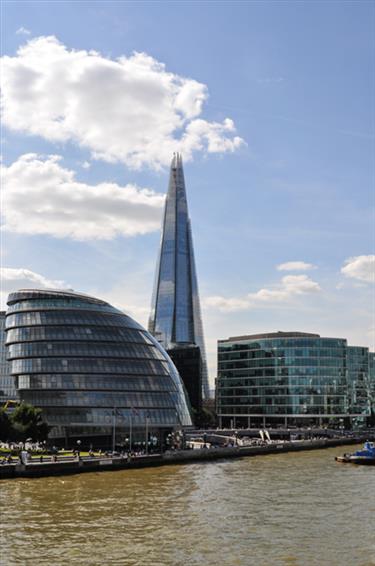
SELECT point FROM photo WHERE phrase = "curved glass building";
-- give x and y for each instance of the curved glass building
(292, 378)
(90, 366)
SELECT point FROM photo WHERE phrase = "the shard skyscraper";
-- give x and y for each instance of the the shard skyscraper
(175, 315)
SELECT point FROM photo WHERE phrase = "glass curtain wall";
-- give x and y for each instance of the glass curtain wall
(83, 362)
(295, 377)
(175, 313)
(7, 383)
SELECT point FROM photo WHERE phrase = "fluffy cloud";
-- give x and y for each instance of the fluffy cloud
(129, 110)
(361, 267)
(42, 197)
(290, 287)
(226, 304)
(295, 266)
(20, 278)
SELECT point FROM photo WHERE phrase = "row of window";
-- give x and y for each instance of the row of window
(160, 417)
(267, 344)
(95, 382)
(301, 381)
(63, 303)
(286, 411)
(77, 333)
(26, 350)
(89, 365)
(45, 318)
(304, 397)
(98, 399)
(332, 399)
(324, 376)
(289, 362)
(282, 372)
(307, 390)
(284, 353)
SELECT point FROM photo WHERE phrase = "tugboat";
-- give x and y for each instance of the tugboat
(366, 456)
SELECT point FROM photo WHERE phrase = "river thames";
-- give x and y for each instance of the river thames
(290, 509)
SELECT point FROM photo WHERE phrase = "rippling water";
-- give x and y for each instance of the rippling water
(288, 509)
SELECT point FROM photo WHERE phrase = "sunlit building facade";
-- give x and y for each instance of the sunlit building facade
(292, 378)
(86, 364)
(175, 313)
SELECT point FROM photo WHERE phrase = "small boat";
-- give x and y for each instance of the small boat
(366, 456)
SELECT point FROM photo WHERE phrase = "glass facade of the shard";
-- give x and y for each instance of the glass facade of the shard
(175, 314)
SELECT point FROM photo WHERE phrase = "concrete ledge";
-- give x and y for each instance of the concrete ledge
(8, 471)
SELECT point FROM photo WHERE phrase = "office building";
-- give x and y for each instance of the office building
(87, 364)
(175, 314)
(7, 383)
(292, 378)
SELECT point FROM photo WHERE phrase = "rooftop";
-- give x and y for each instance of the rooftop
(24, 294)
(277, 334)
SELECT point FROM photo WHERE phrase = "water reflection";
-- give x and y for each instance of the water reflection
(289, 509)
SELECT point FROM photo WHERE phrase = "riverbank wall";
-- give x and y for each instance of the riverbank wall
(101, 464)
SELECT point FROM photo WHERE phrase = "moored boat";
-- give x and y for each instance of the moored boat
(365, 456)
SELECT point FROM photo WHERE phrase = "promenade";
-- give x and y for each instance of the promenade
(86, 464)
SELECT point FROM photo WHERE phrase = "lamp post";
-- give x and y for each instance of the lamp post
(130, 430)
(114, 430)
(79, 446)
(146, 434)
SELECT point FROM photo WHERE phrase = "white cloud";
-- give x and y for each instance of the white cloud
(42, 197)
(361, 267)
(290, 287)
(128, 110)
(85, 165)
(19, 278)
(23, 31)
(295, 266)
(226, 304)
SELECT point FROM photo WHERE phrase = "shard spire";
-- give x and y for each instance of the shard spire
(175, 313)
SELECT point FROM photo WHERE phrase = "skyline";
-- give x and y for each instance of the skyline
(278, 149)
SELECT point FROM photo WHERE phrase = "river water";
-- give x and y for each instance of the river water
(287, 509)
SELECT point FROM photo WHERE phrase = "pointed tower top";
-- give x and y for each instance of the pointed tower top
(176, 160)
(175, 315)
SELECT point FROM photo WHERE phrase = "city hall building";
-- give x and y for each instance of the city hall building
(8, 390)
(293, 378)
(90, 367)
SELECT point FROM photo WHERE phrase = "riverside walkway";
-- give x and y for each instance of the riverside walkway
(85, 464)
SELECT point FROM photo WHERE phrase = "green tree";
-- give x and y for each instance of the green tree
(27, 422)
(205, 418)
(5, 426)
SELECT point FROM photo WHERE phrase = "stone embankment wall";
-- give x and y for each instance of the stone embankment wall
(168, 458)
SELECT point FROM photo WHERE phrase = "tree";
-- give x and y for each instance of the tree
(27, 422)
(205, 418)
(5, 426)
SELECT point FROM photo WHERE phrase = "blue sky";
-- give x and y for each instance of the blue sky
(272, 106)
